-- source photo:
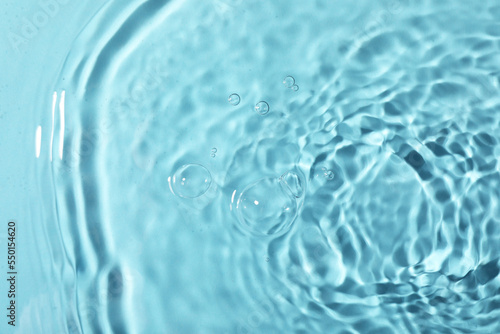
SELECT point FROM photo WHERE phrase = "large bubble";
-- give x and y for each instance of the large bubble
(269, 206)
(190, 181)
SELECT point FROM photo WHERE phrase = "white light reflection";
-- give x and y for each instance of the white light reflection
(54, 98)
(61, 129)
(38, 140)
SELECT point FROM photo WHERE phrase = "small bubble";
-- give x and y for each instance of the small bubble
(288, 81)
(214, 151)
(262, 107)
(190, 181)
(267, 259)
(234, 99)
(295, 88)
(328, 174)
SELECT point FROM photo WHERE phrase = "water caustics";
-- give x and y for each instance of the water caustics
(199, 190)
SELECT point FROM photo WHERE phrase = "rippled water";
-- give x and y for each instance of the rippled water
(233, 166)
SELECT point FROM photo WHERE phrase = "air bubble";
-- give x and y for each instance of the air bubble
(295, 88)
(265, 208)
(262, 107)
(270, 206)
(190, 181)
(234, 99)
(328, 174)
(288, 81)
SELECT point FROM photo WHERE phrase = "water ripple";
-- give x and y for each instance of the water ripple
(365, 202)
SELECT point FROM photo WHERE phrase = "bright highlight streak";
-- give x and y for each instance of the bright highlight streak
(61, 129)
(38, 140)
(54, 99)
(232, 200)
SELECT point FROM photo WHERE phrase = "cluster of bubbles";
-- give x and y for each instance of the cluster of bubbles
(262, 107)
(328, 174)
(289, 82)
(266, 207)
